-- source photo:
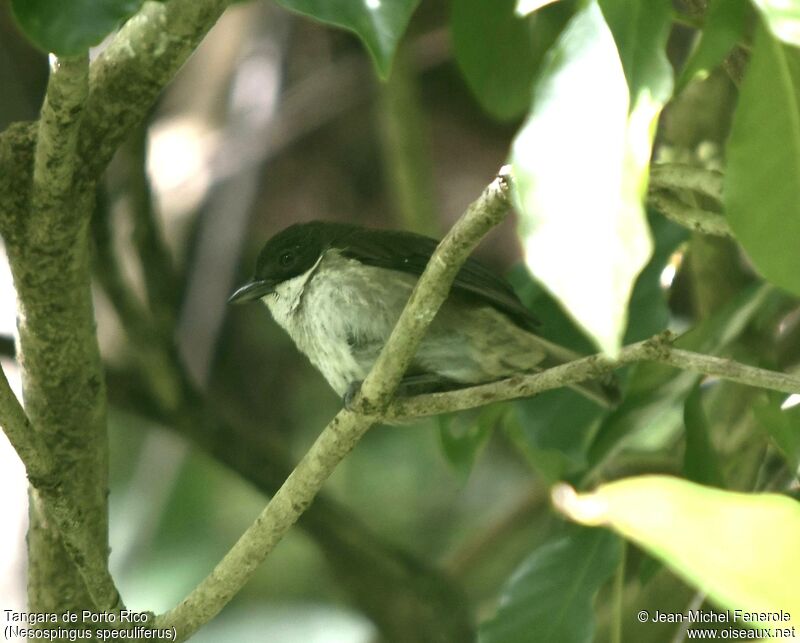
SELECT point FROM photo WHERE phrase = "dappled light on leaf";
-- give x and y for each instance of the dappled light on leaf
(783, 18)
(580, 162)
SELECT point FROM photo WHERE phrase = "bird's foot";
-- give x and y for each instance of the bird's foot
(350, 395)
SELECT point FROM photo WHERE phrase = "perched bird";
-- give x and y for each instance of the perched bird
(339, 289)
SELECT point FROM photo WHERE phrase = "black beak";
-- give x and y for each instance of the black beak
(255, 289)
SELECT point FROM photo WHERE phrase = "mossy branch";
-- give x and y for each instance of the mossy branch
(56, 144)
(48, 170)
(28, 444)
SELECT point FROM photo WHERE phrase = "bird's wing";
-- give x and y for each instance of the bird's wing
(410, 253)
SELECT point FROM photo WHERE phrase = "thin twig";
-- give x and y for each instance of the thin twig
(658, 349)
(689, 217)
(668, 180)
(680, 176)
(347, 428)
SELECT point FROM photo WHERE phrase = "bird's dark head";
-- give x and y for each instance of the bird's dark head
(288, 254)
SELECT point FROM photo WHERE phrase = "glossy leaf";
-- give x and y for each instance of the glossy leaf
(657, 391)
(648, 312)
(581, 172)
(463, 435)
(762, 179)
(549, 598)
(724, 27)
(555, 429)
(556, 453)
(70, 28)
(741, 549)
(498, 52)
(380, 24)
(783, 426)
(640, 29)
(782, 17)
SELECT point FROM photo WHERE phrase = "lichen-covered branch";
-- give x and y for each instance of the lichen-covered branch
(62, 375)
(657, 349)
(694, 219)
(679, 176)
(669, 180)
(48, 171)
(56, 143)
(26, 442)
(347, 428)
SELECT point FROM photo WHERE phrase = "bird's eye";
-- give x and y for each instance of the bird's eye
(286, 259)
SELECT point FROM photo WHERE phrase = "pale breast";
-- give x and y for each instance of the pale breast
(340, 315)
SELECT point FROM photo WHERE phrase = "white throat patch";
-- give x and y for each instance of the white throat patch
(288, 296)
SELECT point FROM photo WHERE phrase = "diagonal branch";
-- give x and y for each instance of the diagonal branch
(431, 291)
(128, 76)
(124, 83)
(346, 429)
(28, 444)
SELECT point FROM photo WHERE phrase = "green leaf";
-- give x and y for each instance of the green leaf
(463, 435)
(648, 312)
(581, 173)
(762, 179)
(555, 429)
(560, 421)
(741, 549)
(640, 29)
(724, 27)
(783, 426)
(379, 24)
(657, 390)
(550, 596)
(699, 459)
(782, 18)
(498, 52)
(70, 28)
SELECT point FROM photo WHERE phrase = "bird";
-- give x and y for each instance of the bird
(338, 289)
